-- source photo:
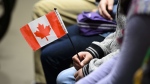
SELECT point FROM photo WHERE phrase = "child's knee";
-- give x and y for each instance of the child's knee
(66, 76)
(62, 77)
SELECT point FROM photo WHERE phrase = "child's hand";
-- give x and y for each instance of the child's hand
(106, 6)
(78, 75)
(85, 58)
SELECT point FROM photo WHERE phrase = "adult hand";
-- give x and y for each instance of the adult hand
(78, 75)
(106, 6)
(85, 57)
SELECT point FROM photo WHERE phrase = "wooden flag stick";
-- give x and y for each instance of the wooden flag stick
(58, 15)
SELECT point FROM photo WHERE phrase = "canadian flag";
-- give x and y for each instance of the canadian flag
(44, 30)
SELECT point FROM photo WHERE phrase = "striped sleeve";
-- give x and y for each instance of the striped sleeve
(95, 50)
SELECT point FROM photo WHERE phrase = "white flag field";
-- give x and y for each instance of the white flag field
(44, 30)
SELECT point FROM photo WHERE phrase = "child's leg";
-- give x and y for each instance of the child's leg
(66, 76)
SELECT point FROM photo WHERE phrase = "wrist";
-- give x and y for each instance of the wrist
(95, 51)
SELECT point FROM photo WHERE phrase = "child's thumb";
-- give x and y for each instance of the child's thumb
(82, 64)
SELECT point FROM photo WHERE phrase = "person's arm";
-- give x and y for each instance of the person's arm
(135, 45)
(95, 63)
(95, 50)
(100, 49)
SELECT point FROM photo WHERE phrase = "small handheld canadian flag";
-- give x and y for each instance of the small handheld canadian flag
(44, 30)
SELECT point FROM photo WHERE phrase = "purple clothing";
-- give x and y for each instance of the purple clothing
(92, 23)
(93, 18)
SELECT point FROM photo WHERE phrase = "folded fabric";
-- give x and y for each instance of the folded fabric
(91, 23)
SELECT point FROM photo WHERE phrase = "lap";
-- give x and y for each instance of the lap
(66, 76)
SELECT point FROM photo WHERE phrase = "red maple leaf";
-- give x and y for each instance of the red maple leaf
(42, 32)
